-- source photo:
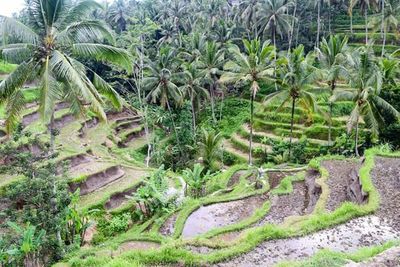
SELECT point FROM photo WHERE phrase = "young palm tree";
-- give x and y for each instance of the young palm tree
(250, 68)
(210, 148)
(365, 6)
(212, 61)
(193, 87)
(298, 74)
(366, 79)
(332, 57)
(248, 10)
(47, 51)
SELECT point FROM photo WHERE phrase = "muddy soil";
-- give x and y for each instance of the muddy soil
(386, 178)
(118, 199)
(284, 206)
(227, 237)
(388, 258)
(340, 174)
(115, 115)
(168, 228)
(30, 118)
(218, 215)
(87, 125)
(137, 245)
(200, 250)
(124, 126)
(235, 178)
(98, 180)
(275, 178)
(63, 121)
(348, 237)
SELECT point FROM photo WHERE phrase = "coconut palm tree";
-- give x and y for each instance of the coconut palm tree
(193, 88)
(366, 79)
(388, 21)
(275, 18)
(161, 82)
(118, 14)
(297, 74)
(212, 61)
(250, 68)
(248, 10)
(332, 57)
(365, 6)
(48, 50)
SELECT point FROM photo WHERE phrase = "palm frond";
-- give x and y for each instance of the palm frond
(106, 89)
(10, 26)
(15, 80)
(15, 105)
(116, 56)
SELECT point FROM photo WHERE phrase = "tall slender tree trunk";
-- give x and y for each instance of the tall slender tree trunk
(333, 86)
(174, 125)
(356, 137)
(193, 115)
(291, 127)
(383, 43)
(274, 40)
(291, 35)
(383, 17)
(212, 98)
(51, 130)
(366, 25)
(318, 23)
(251, 128)
(297, 33)
(329, 19)
(351, 23)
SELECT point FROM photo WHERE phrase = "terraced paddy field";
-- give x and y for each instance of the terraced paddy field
(333, 212)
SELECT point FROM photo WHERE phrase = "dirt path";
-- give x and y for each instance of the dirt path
(349, 237)
(218, 215)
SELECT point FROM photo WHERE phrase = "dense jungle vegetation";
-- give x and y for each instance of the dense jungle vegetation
(116, 114)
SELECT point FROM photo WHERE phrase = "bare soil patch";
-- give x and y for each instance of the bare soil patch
(200, 249)
(30, 118)
(284, 206)
(386, 178)
(98, 180)
(168, 227)
(63, 121)
(235, 178)
(340, 177)
(116, 200)
(275, 178)
(218, 215)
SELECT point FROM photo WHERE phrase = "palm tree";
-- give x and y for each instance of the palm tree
(161, 82)
(332, 57)
(366, 79)
(388, 21)
(212, 61)
(250, 68)
(210, 148)
(193, 87)
(118, 15)
(365, 6)
(248, 10)
(298, 74)
(48, 49)
(275, 18)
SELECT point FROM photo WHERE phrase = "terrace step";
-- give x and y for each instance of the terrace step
(243, 144)
(228, 147)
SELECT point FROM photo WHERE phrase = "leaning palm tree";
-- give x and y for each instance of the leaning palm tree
(193, 88)
(48, 50)
(366, 79)
(250, 68)
(365, 6)
(332, 56)
(297, 75)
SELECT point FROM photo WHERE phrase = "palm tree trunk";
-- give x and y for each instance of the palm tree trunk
(221, 107)
(212, 98)
(173, 125)
(291, 127)
(274, 40)
(251, 128)
(193, 115)
(297, 33)
(366, 25)
(333, 86)
(318, 22)
(383, 17)
(50, 128)
(351, 23)
(292, 27)
(329, 20)
(356, 137)
(383, 43)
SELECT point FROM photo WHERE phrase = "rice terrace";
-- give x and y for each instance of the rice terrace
(200, 133)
